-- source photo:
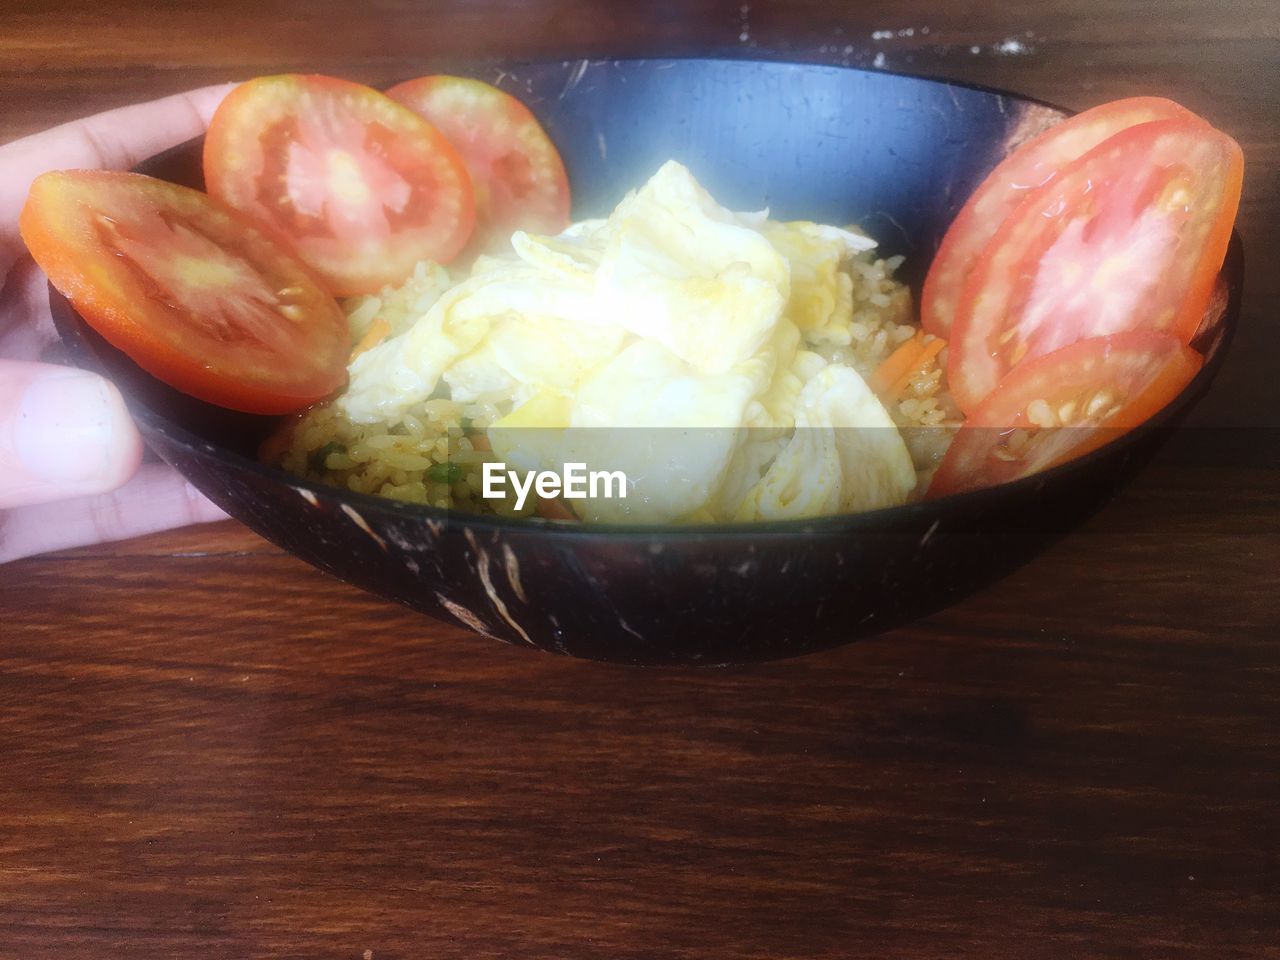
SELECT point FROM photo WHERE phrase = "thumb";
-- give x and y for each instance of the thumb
(63, 433)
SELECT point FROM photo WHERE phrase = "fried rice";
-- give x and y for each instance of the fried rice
(434, 452)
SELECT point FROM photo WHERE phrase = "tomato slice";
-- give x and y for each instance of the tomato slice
(1063, 405)
(1130, 236)
(362, 186)
(198, 295)
(516, 172)
(1032, 165)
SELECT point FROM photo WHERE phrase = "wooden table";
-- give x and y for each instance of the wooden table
(208, 749)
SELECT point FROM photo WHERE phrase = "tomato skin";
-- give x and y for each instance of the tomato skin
(97, 234)
(1130, 236)
(1032, 165)
(363, 187)
(1112, 385)
(517, 174)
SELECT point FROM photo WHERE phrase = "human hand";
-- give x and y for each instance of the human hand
(69, 453)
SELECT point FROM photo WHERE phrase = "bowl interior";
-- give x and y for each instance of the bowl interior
(897, 155)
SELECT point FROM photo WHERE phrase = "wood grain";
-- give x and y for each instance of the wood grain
(211, 750)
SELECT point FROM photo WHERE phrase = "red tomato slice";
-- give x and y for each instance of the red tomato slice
(198, 295)
(1130, 236)
(1032, 165)
(363, 187)
(516, 172)
(1064, 404)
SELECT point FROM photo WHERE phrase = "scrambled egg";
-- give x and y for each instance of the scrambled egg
(667, 341)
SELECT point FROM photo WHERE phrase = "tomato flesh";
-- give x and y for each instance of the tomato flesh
(363, 187)
(1063, 405)
(516, 172)
(198, 295)
(1029, 167)
(1130, 236)
(348, 191)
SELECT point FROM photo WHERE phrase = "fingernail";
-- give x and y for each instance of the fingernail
(67, 428)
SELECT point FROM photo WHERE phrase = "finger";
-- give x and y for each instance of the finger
(63, 433)
(115, 140)
(157, 498)
(26, 326)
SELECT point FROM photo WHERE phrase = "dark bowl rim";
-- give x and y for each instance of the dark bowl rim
(1231, 271)
(773, 57)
